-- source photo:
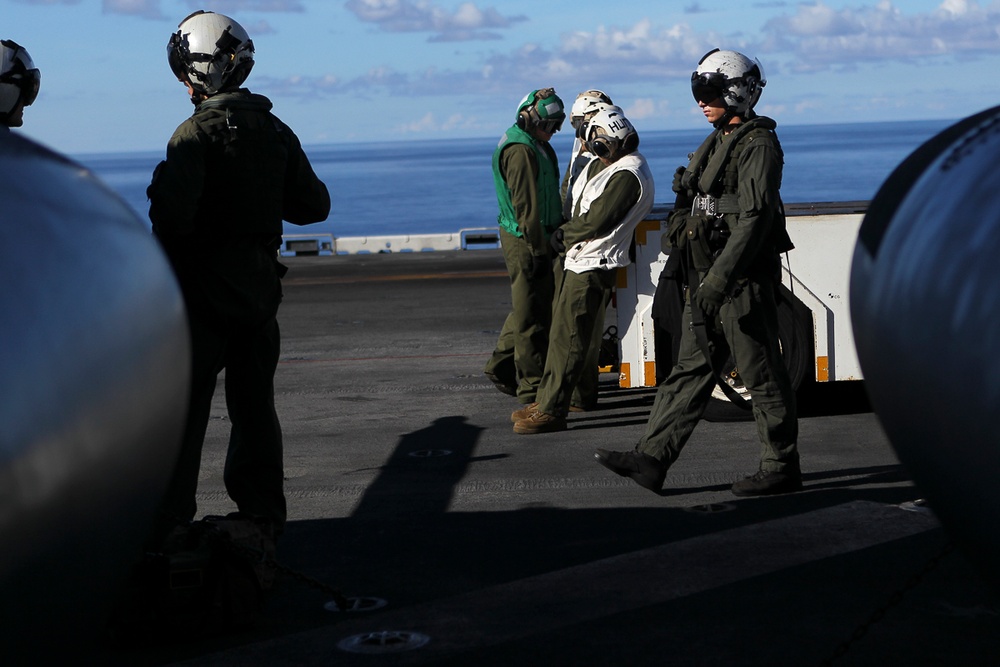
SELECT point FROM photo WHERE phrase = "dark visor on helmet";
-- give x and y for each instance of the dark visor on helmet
(22, 73)
(176, 52)
(707, 86)
(29, 86)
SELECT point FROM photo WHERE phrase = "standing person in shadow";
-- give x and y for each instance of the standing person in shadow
(526, 178)
(233, 171)
(729, 223)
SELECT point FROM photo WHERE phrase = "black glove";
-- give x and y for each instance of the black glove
(709, 299)
(678, 175)
(684, 197)
(556, 241)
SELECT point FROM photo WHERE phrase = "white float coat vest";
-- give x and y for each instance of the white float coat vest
(579, 159)
(611, 250)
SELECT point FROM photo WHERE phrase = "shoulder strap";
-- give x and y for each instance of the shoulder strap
(701, 334)
(716, 164)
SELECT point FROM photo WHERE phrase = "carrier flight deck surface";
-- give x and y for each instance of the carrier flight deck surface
(406, 485)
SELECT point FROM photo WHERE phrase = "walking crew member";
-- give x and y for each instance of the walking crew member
(613, 195)
(526, 177)
(232, 173)
(732, 235)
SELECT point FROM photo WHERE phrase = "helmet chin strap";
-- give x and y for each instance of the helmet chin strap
(724, 120)
(729, 115)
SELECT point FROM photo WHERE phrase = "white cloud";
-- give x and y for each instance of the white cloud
(149, 9)
(424, 124)
(633, 61)
(646, 108)
(468, 22)
(818, 36)
(956, 7)
(234, 6)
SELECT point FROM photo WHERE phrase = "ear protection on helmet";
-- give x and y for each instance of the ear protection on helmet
(608, 147)
(611, 134)
(526, 113)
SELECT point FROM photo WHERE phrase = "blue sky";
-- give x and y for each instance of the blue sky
(372, 70)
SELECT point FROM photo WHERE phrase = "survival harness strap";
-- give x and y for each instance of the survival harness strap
(701, 334)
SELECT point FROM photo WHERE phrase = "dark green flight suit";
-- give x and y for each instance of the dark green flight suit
(232, 173)
(582, 296)
(743, 170)
(526, 176)
(585, 394)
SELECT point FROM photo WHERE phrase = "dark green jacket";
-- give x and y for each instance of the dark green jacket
(744, 168)
(234, 168)
(232, 173)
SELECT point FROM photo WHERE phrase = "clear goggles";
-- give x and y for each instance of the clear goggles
(551, 125)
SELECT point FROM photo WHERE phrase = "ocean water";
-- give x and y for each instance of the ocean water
(422, 187)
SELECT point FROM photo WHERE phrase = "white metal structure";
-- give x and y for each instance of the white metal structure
(816, 273)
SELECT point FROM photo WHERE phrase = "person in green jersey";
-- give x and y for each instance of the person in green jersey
(526, 179)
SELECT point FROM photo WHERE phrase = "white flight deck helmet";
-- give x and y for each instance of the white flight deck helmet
(592, 110)
(730, 76)
(584, 100)
(610, 134)
(212, 51)
(19, 79)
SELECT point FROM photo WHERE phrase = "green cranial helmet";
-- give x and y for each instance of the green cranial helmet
(541, 109)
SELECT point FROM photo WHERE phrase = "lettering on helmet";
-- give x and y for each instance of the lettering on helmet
(618, 124)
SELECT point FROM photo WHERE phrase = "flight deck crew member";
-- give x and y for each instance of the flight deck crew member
(526, 178)
(585, 107)
(612, 196)
(729, 223)
(19, 82)
(233, 171)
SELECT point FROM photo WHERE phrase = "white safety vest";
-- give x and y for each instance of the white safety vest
(611, 250)
(579, 159)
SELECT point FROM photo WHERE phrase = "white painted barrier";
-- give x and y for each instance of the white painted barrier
(816, 272)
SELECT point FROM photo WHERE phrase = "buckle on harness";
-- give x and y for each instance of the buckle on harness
(705, 204)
